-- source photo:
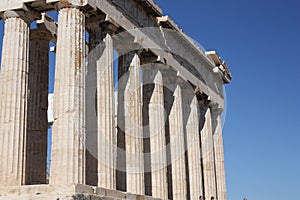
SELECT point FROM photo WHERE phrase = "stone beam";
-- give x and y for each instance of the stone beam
(190, 54)
(11, 5)
(17, 11)
(167, 22)
(220, 65)
(44, 5)
(76, 3)
(151, 7)
(142, 37)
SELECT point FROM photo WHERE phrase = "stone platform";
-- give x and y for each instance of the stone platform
(73, 192)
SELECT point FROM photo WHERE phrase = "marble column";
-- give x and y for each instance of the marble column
(123, 67)
(68, 135)
(95, 64)
(106, 116)
(36, 154)
(13, 97)
(95, 51)
(208, 158)
(154, 106)
(192, 121)
(133, 124)
(219, 153)
(177, 149)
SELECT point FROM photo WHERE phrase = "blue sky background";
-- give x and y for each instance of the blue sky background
(260, 40)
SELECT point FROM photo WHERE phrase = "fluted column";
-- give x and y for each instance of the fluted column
(36, 155)
(154, 106)
(68, 136)
(95, 51)
(192, 121)
(208, 158)
(13, 97)
(177, 149)
(219, 153)
(133, 124)
(106, 118)
(91, 108)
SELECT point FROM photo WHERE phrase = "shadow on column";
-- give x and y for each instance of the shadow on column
(202, 111)
(187, 100)
(168, 103)
(121, 150)
(147, 94)
(95, 53)
(37, 128)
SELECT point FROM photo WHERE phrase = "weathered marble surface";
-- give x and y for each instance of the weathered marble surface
(183, 105)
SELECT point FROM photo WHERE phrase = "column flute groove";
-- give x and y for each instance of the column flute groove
(131, 110)
(192, 121)
(154, 105)
(177, 142)
(13, 97)
(68, 150)
(36, 155)
(106, 112)
(219, 153)
(208, 153)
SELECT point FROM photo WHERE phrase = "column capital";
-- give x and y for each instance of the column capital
(149, 58)
(99, 27)
(41, 33)
(169, 78)
(203, 99)
(109, 26)
(93, 23)
(28, 14)
(103, 23)
(215, 108)
(46, 29)
(85, 5)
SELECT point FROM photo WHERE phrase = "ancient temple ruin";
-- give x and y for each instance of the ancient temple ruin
(137, 104)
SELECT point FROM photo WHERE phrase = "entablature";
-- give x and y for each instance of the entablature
(162, 39)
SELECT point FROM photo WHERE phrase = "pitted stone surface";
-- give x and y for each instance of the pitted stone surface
(179, 155)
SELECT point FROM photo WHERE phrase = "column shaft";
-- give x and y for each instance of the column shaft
(219, 158)
(95, 51)
(133, 130)
(191, 108)
(13, 101)
(177, 146)
(68, 136)
(207, 145)
(106, 118)
(36, 157)
(154, 105)
(133, 124)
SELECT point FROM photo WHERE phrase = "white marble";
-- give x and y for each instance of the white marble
(68, 136)
(13, 101)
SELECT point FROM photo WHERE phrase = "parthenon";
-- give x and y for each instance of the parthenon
(137, 104)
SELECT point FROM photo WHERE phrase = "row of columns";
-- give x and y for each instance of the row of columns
(178, 140)
(13, 97)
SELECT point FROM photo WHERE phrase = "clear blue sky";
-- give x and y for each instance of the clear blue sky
(260, 40)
